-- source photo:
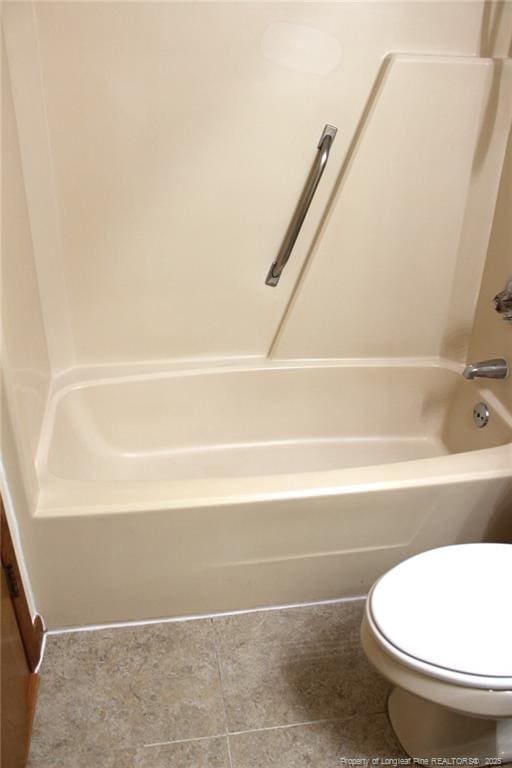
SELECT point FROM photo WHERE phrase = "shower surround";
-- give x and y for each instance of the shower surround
(179, 438)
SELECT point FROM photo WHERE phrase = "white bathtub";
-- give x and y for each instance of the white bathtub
(270, 483)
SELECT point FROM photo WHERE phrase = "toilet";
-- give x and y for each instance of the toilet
(439, 627)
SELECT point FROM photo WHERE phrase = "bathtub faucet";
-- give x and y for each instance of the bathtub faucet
(488, 369)
(503, 302)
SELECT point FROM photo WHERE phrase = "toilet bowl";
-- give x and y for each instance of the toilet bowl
(439, 627)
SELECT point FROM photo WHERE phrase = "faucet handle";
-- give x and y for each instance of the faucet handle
(503, 302)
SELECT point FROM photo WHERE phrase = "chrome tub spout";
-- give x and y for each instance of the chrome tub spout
(487, 369)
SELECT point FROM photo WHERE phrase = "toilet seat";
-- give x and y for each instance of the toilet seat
(431, 684)
(445, 613)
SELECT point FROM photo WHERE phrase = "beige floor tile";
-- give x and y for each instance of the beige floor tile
(202, 753)
(67, 756)
(126, 687)
(321, 745)
(296, 665)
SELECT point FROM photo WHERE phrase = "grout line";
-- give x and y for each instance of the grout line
(199, 616)
(267, 728)
(247, 730)
(221, 683)
(289, 725)
(230, 760)
(185, 741)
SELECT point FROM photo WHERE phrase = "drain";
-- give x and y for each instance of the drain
(481, 415)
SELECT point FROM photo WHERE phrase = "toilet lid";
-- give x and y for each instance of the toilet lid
(450, 607)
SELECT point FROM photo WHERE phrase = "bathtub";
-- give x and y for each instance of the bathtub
(220, 487)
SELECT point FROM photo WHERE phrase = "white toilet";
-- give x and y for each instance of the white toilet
(439, 626)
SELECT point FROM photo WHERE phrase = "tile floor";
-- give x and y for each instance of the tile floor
(288, 687)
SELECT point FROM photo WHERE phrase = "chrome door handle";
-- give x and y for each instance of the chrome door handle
(292, 233)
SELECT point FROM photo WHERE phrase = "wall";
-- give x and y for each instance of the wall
(25, 369)
(396, 267)
(25, 375)
(164, 146)
(492, 337)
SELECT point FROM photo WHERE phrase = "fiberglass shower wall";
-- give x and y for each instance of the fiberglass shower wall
(154, 154)
(167, 144)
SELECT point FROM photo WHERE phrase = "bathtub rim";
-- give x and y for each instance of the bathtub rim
(122, 498)
(57, 495)
(78, 378)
